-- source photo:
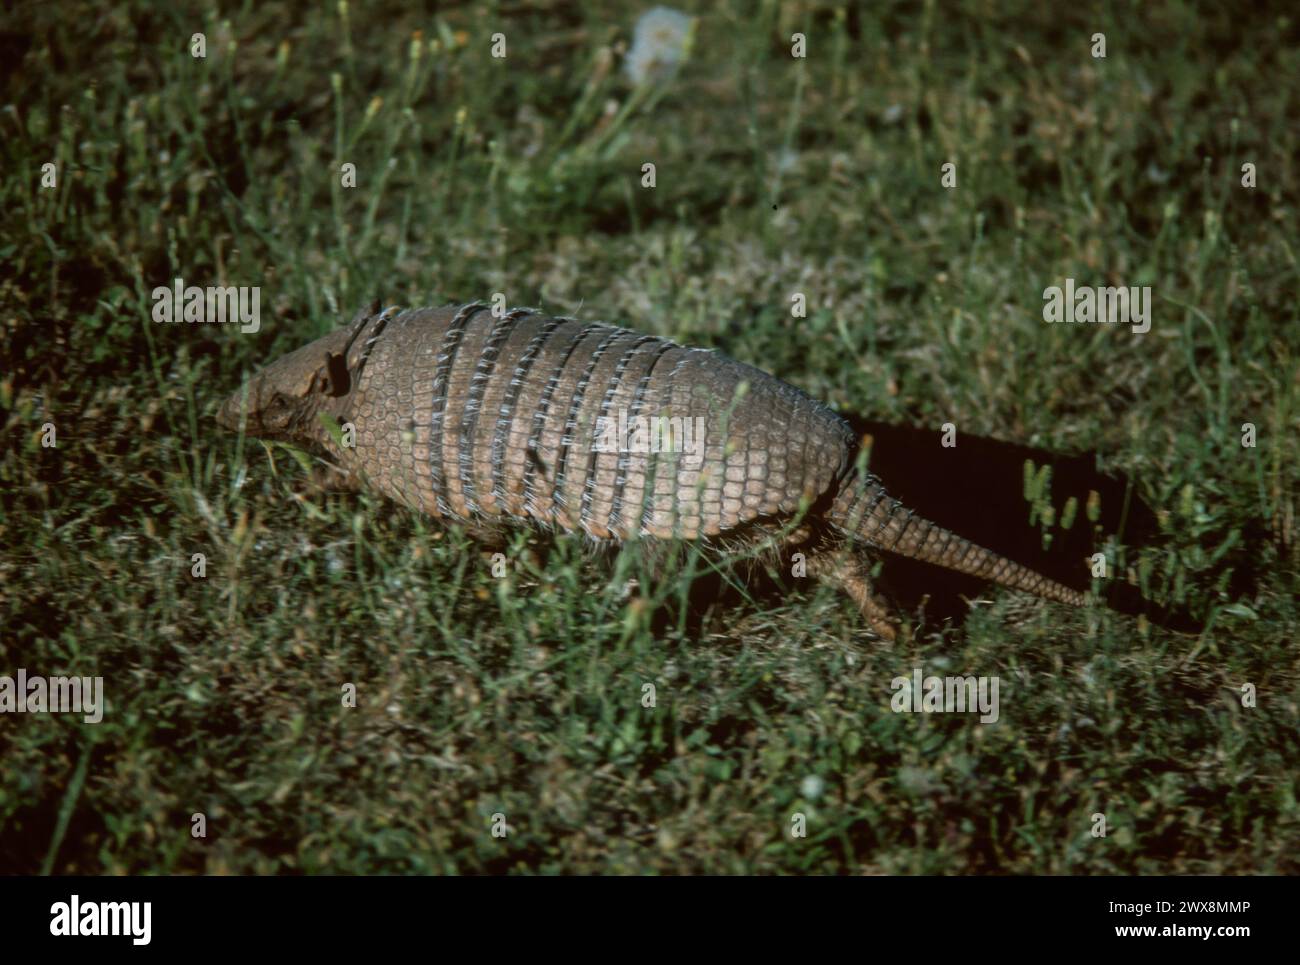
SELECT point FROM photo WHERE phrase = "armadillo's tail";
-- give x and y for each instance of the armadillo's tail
(864, 510)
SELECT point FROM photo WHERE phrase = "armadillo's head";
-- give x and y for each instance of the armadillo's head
(284, 400)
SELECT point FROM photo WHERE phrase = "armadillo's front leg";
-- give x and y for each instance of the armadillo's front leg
(329, 478)
(844, 569)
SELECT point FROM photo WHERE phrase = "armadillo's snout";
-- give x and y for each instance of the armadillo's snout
(230, 413)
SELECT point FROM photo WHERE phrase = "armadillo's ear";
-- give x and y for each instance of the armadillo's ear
(365, 313)
(338, 380)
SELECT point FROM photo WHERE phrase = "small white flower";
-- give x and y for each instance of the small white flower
(811, 787)
(786, 160)
(658, 45)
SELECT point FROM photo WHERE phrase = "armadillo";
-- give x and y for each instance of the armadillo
(489, 417)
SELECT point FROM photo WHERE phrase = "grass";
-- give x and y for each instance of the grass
(523, 696)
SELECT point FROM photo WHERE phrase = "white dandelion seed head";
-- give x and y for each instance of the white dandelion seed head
(811, 787)
(658, 45)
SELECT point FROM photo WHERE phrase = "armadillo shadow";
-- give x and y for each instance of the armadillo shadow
(977, 489)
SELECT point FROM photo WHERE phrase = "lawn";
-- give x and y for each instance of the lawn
(587, 712)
